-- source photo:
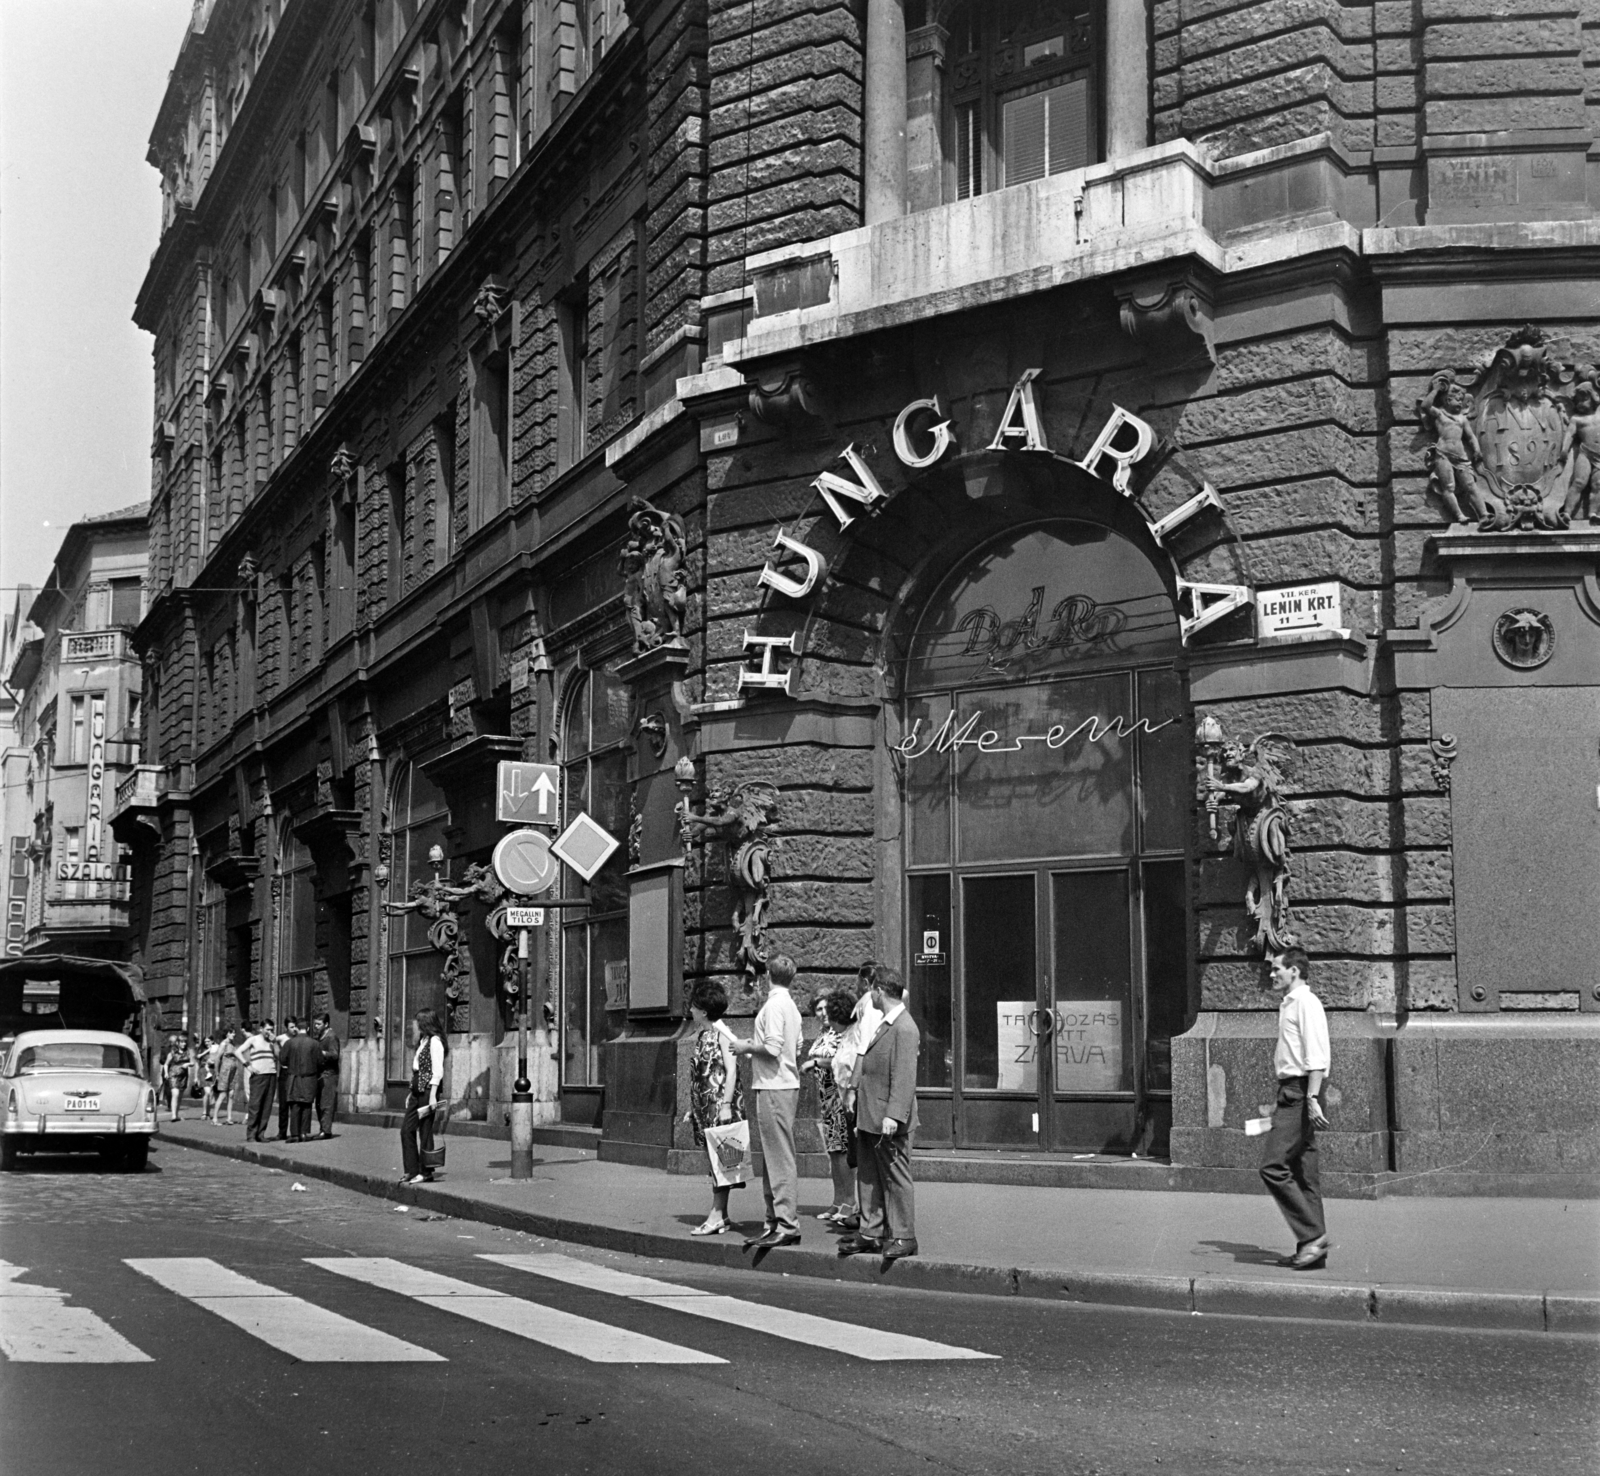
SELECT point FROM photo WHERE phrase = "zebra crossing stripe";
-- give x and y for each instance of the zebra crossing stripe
(597, 1342)
(874, 1344)
(37, 1326)
(301, 1329)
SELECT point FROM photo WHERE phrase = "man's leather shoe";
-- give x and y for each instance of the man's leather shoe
(897, 1249)
(1312, 1256)
(323, 1137)
(847, 1222)
(777, 1238)
(859, 1245)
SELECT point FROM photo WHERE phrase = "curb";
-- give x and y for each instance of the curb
(1487, 1311)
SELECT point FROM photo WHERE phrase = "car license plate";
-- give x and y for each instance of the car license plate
(82, 1102)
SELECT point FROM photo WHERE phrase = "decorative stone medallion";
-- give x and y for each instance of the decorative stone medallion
(1524, 638)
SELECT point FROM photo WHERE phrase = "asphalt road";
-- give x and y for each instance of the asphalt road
(504, 1368)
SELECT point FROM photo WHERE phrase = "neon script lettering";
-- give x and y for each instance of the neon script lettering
(952, 738)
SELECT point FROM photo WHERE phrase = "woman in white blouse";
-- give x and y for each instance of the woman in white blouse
(427, 1082)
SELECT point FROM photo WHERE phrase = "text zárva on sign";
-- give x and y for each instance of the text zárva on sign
(1086, 1037)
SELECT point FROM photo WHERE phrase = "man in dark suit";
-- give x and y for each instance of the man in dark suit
(301, 1065)
(886, 1118)
(328, 1081)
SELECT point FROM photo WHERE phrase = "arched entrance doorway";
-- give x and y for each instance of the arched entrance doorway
(1045, 759)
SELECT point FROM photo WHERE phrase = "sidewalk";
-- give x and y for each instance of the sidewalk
(1526, 1264)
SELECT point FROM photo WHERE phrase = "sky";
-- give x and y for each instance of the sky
(80, 213)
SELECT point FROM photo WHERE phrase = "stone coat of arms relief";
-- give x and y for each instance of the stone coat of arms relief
(1519, 445)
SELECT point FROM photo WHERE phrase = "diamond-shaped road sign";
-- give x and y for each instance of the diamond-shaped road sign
(527, 794)
(523, 862)
(585, 846)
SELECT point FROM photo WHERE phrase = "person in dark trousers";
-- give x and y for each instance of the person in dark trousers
(886, 1120)
(299, 1069)
(422, 1102)
(1301, 1062)
(328, 1081)
(259, 1054)
(291, 1028)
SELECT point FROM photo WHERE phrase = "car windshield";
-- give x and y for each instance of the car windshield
(75, 1055)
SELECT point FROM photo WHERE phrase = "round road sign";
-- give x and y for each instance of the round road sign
(523, 862)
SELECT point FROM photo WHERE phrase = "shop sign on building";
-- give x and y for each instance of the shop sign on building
(97, 779)
(1298, 609)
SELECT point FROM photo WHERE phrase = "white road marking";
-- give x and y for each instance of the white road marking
(37, 1326)
(301, 1329)
(870, 1343)
(595, 1341)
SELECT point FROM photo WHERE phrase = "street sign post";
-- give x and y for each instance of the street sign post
(527, 794)
(523, 862)
(585, 846)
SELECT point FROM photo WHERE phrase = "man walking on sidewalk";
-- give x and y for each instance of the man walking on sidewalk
(1301, 1061)
(328, 1081)
(299, 1070)
(774, 1073)
(886, 1119)
(260, 1056)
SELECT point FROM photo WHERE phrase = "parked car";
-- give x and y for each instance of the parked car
(76, 1090)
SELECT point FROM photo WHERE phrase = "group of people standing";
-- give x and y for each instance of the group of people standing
(865, 1063)
(297, 1068)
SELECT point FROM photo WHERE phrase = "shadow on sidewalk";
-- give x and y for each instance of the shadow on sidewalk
(1246, 1255)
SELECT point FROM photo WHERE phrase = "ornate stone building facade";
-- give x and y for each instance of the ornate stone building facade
(1060, 497)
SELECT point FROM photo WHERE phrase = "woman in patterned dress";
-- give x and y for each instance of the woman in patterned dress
(714, 1095)
(833, 1010)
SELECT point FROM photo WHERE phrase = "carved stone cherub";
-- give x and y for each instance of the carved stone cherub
(655, 581)
(1582, 444)
(1453, 450)
(1260, 829)
(740, 818)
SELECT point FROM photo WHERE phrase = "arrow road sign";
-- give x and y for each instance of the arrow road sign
(527, 794)
(585, 846)
(523, 862)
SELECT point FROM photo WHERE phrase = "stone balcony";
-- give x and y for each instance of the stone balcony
(1155, 215)
(93, 647)
(138, 802)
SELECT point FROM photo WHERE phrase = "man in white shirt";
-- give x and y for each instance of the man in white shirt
(774, 1050)
(259, 1053)
(1301, 1062)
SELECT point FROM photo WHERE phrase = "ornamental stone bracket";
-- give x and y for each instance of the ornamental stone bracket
(1169, 316)
(234, 871)
(787, 397)
(655, 579)
(333, 839)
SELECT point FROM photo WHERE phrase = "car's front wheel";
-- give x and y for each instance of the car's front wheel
(8, 1154)
(135, 1155)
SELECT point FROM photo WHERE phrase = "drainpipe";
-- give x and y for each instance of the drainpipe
(884, 125)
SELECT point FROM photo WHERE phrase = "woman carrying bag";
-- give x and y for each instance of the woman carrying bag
(715, 1103)
(422, 1104)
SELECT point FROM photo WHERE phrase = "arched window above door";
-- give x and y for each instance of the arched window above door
(1060, 597)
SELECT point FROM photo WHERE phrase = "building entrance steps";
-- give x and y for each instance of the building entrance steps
(1505, 1263)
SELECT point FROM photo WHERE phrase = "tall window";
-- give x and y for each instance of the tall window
(572, 399)
(594, 940)
(213, 953)
(124, 602)
(491, 436)
(297, 929)
(419, 817)
(1021, 93)
(444, 487)
(83, 709)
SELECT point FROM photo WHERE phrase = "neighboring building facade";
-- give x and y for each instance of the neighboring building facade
(1058, 497)
(16, 829)
(71, 664)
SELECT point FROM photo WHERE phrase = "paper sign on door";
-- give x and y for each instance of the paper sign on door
(1019, 1066)
(1088, 1039)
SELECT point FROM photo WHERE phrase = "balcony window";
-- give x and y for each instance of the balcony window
(125, 602)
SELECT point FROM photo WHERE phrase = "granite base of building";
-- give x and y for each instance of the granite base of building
(1449, 1105)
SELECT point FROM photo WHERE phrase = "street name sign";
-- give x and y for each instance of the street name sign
(523, 862)
(524, 917)
(1298, 609)
(527, 794)
(585, 846)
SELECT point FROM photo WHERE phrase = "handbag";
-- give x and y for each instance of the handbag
(728, 1148)
(433, 1158)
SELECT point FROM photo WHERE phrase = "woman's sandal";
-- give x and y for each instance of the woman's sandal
(712, 1227)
